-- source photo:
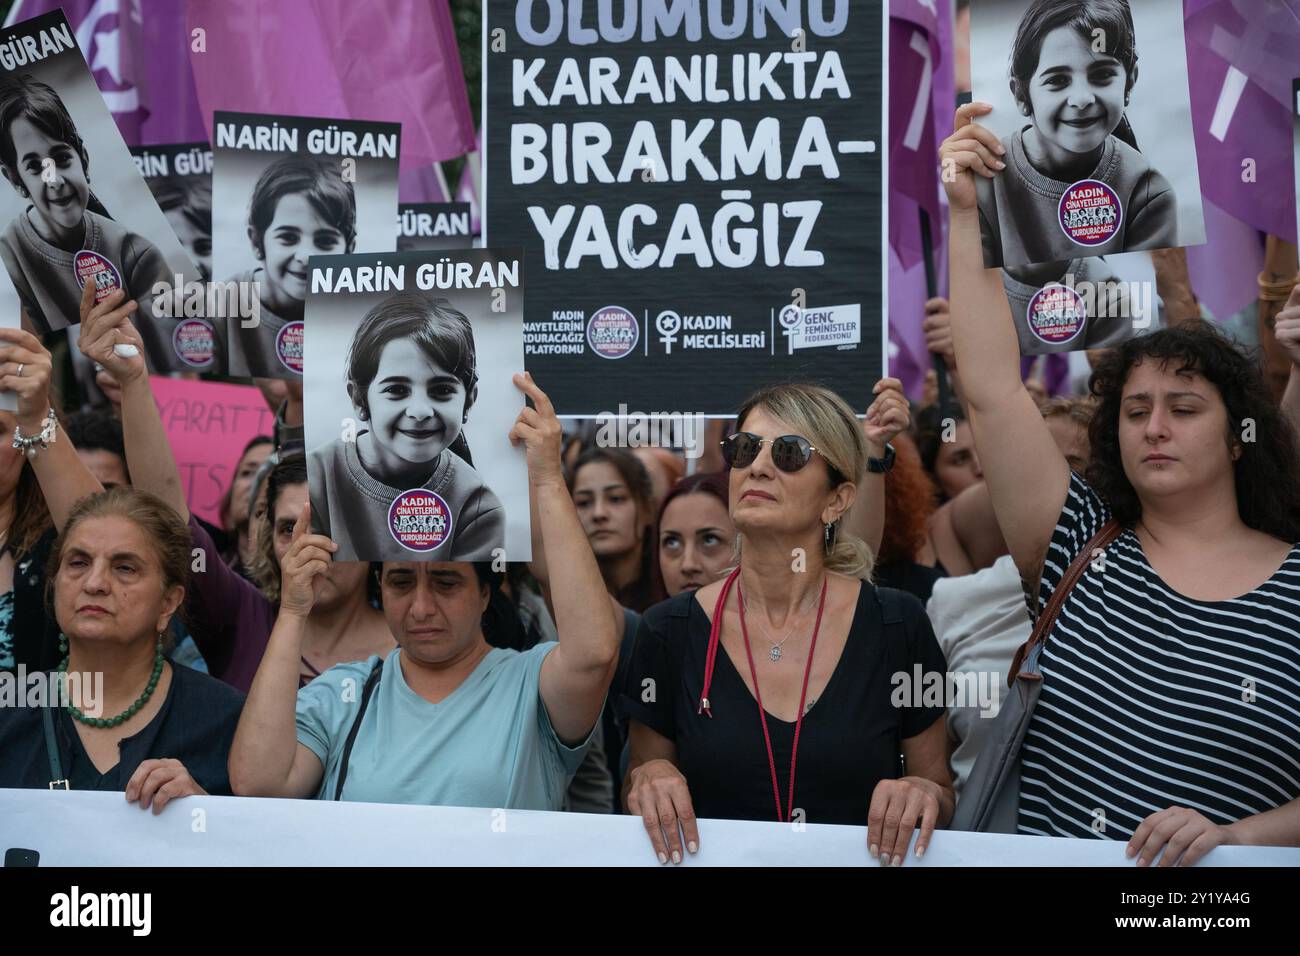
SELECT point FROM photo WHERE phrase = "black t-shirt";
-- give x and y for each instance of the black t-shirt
(195, 725)
(850, 738)
(908, 576)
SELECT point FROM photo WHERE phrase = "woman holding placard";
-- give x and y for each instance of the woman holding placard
(1183, 539)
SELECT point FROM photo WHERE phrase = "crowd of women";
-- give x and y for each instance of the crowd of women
(724, 644)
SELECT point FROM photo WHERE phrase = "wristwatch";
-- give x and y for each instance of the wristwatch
(880, 466)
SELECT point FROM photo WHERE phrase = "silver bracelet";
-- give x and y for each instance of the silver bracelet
(30, 446)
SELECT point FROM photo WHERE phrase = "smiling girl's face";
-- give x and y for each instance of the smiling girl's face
(1076, 97)
(60, 203)
(417, 407)
(296, 233)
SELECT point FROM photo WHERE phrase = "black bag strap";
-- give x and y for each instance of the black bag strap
(57, 780)
(372, 680)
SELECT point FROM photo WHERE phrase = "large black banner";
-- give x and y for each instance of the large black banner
(699, 189)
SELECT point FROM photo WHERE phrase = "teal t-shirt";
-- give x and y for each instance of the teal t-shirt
(489, 743)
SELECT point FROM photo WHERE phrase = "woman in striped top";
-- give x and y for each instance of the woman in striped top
(1169, 713)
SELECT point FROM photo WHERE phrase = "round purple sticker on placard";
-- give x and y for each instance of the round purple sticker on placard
(91, 265)
(419, 520)
(288, 347)
(612, 332)
(1056, 314)
(1090, 212)
(194, 343)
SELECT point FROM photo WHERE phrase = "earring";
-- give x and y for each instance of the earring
(828, 536)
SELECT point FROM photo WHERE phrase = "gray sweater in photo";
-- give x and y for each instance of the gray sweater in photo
(351, 507)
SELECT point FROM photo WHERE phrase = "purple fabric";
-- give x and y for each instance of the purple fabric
(395, 61)
(420, 184)
(228, 617)
(914, 176)
(1225, 269)
(1053, 369)
(467, 187)
(1257, 39)
(114, 46)
(914, 58)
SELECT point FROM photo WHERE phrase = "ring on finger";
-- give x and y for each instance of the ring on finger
(21, 366)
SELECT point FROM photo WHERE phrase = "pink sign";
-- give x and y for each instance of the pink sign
(208, 425)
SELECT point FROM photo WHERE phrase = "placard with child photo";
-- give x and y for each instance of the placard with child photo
(1091, 105)
(410, 359)
(74, 207)
(285, 188)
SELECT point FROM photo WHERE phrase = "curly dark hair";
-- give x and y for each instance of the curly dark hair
(1266, 476)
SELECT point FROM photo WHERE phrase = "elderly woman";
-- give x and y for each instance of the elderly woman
(446, 719)
(797, 634)
(1186, 529)
(118, 573)
(155, 730)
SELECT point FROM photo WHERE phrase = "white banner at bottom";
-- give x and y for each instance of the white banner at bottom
(82, 828)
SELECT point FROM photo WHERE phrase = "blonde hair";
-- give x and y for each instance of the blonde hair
(828, 422)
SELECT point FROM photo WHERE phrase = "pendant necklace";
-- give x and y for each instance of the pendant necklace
(774, 655)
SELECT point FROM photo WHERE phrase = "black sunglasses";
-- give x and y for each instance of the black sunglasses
(790, 453)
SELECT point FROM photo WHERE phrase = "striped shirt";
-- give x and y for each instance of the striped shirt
(1151, 699)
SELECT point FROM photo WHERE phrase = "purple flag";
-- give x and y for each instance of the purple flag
(1244, 56)
(421, 184)
(133, 67)
(914, 58)
(922, 98)
(1224, 270)
(394, 60)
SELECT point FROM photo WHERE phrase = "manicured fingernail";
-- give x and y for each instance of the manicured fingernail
(1128, 852)
(874, 850)
(999, 164)
(898, 861)
(1002, 150)
(1142, 862)
(662, 858)
(677, 856)
(920, 852)
(693, 847)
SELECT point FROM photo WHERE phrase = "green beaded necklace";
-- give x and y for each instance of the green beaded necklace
(130, 711)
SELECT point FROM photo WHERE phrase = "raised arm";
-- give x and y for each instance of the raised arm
(1027, 476)
(575, 676)
(887, 415)
(149, 456)
(1286, 331)
(266, 759)
(25, 368)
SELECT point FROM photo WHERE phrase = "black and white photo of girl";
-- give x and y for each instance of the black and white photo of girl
(76, 208)
(180, 178)
(300, 207)
(1094, 117)
(285, 189)
(392, 474)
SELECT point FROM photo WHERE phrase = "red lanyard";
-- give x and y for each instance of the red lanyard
(715, 637)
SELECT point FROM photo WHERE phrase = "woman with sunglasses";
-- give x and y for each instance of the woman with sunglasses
(771, 695)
